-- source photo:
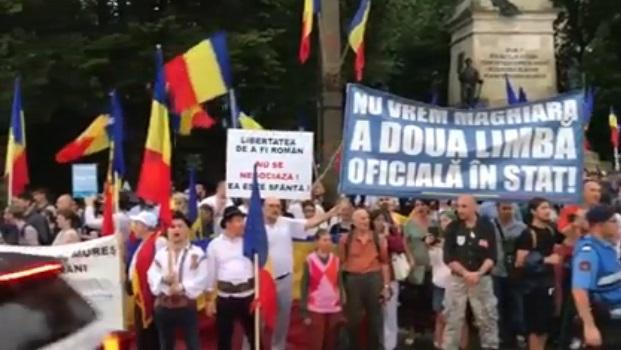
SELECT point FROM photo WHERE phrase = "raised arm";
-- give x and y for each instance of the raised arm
(321, 218)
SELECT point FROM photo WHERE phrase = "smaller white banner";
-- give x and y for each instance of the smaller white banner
(284, 158)
(93, 269)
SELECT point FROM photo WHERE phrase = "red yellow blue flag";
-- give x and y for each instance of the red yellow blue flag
(614, 128)
(154, 184)
(16, 166)
(311, 7)
(356, 35)
(201, 74)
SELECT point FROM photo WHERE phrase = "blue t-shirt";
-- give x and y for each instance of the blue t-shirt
(597, 269)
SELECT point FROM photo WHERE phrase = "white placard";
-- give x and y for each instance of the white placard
(93, 269)
(284, 158)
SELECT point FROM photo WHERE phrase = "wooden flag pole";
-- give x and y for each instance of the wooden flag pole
(257, 310)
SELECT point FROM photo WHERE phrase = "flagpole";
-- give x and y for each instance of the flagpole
(10, 185)
(257, 310)
(233, 109)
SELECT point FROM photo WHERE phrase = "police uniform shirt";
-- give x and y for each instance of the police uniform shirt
(470, 246)
(190, 266)
(597, 269)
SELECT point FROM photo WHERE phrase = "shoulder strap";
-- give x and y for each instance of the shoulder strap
(348, 240)
(376, 241)
(500, 231)
(533, 236)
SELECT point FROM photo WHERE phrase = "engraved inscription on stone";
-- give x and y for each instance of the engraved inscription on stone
(516, 62)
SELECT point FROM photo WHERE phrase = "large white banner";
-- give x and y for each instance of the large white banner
(284, 158)
(93, 269)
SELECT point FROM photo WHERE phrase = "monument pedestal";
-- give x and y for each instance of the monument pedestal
(521, 47)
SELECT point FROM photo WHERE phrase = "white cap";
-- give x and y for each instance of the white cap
(145, 217)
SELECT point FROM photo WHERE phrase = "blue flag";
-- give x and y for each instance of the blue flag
(511, 96)
(118, 157)
(193, 197)
(522, 96)
(589, 100)
(435, 97)
(255, 236)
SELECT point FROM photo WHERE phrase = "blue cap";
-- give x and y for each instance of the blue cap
(599, 214)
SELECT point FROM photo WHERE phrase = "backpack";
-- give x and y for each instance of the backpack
(40, 237)
(509, 249)
(40, 224)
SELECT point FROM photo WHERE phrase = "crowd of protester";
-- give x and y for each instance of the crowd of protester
(421, 266)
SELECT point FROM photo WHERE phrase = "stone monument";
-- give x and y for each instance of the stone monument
(503, 37)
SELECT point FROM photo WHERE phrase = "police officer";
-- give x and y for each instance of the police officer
(596, 282)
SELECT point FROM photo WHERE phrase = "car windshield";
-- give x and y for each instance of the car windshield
(37, 313)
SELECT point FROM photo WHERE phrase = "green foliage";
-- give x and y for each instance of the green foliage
(589, 43)
(70, 53)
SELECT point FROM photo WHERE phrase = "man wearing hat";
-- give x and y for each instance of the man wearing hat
(596, 281)
(144, 224)
(232, 275)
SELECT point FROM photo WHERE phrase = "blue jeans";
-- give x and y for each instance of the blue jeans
(167, 321)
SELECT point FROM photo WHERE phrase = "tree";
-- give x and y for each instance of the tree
(70, 53)
(588, 49)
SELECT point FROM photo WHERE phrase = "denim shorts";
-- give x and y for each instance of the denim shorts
(438, 299)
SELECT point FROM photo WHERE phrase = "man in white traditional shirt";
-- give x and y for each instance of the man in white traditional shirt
(280, 234)
(231, 276)
(177, 278)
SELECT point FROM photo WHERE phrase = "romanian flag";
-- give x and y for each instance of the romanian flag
(201, 74)
(589, 102)
(255, 243)
(195, 117)
(16, 166)
(614, 128)
(118, 137)
(248, 123)
(140, 285)
(311, 7)
(154, 184)
(116, 171)
(107, 226)
(356, 35)
(94, 139)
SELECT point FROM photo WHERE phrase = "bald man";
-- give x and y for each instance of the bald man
(470, 252)
(65, 202)
(364, 256)
(280, 234)
(591, 196)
